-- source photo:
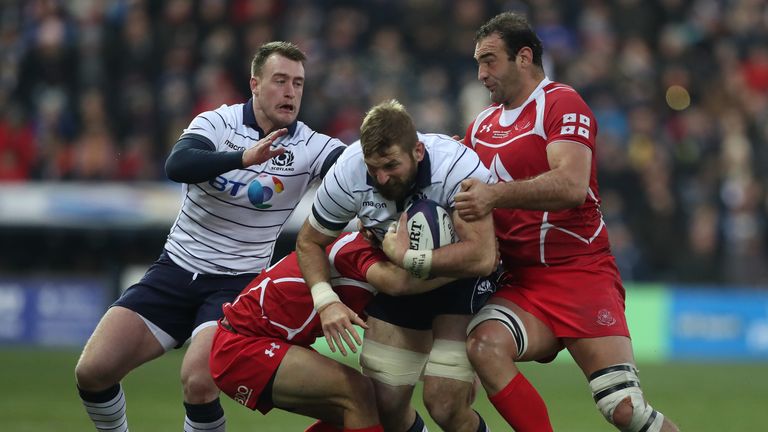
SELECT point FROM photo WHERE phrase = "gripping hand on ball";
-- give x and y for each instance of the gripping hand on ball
(395, 242)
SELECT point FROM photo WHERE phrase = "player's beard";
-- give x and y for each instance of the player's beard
(395, 189)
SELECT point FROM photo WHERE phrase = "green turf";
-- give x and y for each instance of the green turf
(39, 395)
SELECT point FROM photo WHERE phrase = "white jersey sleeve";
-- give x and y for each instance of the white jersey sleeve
(335, 202)
(322, 146)
(212, 126)
(452, 165)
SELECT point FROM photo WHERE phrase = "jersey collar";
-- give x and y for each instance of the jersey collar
(249, 119)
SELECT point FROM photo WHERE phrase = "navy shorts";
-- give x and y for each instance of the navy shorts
(176, 301)
(461, 297)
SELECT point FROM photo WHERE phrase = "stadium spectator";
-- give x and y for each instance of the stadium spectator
(562, 289)
(17, 147)
(374, 180)
(244, 168)
(145, 58)
(261, 356)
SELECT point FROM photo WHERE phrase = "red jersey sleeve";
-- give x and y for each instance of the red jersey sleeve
(355, 258)
(568, 118)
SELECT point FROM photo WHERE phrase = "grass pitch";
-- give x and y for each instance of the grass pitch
(39, 395)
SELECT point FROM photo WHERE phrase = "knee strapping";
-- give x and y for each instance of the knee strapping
(513, 323)
(612, 385)
(448, 359)
(391, 365)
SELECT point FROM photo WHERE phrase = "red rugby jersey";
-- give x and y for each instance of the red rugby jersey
(278, 302)
(513, 145)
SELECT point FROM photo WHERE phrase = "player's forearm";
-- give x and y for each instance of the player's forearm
(549, 192)
(419, 286)
(464, 259)
(191, 161)
(313, 262)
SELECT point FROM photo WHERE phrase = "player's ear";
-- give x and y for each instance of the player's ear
(525, 56)
(418, 151)
(254, 85)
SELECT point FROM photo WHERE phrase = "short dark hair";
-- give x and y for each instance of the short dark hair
(385, 125)
(516, 33)
(285, 49)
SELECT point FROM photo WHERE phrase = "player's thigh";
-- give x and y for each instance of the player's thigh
(451, 327)
(399, 337)
(448, 373)
(197, 354)
(120, 343)
(541, 341)
(593, 354)
(306, 381)
(394, 357)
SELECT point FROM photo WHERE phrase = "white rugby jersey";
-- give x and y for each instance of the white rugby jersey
(347, 189)
(229, 225)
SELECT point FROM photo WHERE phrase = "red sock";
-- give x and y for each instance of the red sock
(321, 426)
(522, 406)
(374, 428)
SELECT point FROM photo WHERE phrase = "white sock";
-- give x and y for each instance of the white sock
(108, 416)
(209, 417)
(219, 425)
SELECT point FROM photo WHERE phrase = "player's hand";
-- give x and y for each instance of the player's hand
(458, 138)
(474, 201)
(368, 235)
(395, 243)
(337, 320)
(263, 150)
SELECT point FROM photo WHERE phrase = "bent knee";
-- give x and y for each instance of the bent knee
(93, 376)
(486, 343)
(443, 407)
(447, 403)
(199, 387)
(622, 415)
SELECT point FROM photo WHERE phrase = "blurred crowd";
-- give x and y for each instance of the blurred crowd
(100, 90)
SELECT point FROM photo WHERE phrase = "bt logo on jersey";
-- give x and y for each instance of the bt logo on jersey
(263, 189)
(260, 191)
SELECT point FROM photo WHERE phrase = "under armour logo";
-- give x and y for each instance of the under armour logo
(485, 128)
(271, 351)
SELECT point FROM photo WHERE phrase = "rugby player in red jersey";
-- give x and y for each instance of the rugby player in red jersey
(563, 289)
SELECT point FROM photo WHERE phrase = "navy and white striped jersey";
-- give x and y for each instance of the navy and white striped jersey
(347, 190)
(229, 225)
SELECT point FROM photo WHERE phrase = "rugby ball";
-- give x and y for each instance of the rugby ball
(429, 225)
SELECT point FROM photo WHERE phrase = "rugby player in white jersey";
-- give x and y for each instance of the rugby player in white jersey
(374, 180)
(244, 169)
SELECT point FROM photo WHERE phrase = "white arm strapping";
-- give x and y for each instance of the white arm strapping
(418, 262)
(323, 295)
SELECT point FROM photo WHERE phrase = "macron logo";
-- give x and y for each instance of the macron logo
(373, 204)
(485, 128)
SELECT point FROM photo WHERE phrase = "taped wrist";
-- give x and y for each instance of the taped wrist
(418, 263)
(323, 295)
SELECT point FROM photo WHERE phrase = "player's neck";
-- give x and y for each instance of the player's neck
(263, 121)
(527, 88)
